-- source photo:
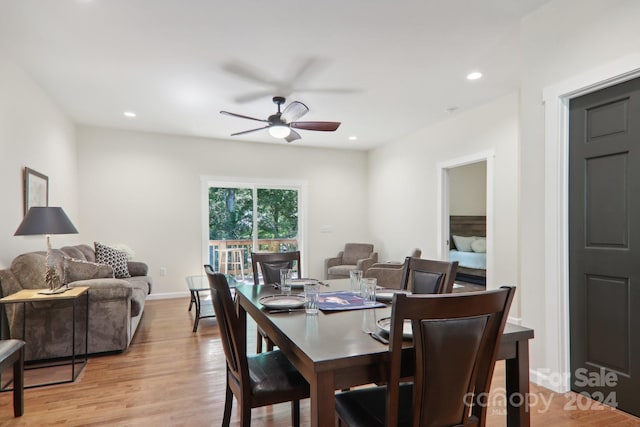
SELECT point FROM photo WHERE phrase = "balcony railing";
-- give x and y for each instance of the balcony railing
(264, 245)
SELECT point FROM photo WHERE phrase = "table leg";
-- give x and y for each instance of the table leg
(517, 381)
(195, 295)
(18, 385)
(73, 340)
(86, 331)
(323, 404)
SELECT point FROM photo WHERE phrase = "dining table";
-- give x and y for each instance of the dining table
(334, 351)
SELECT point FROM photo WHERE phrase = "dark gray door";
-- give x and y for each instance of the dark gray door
(604, 245)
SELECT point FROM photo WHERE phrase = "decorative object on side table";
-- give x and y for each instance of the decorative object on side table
(46, 221)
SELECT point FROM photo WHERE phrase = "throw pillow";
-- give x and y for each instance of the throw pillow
(78, 269)
(463, 243)
(113, 257)
(479, 245)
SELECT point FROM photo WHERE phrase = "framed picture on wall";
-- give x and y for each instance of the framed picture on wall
(36, 189)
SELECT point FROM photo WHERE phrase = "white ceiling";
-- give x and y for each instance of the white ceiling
(382, 68)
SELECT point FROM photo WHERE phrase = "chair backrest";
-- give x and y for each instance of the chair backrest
(232, 334)
(428, 276)
(270, 264)
(456, 339)
(356, 251)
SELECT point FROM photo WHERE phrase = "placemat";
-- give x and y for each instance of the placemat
(343, 300)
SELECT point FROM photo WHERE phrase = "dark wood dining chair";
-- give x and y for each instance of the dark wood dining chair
(455, 340)
(269, 264)
(256, 380)
(12, 354)
(426, 276)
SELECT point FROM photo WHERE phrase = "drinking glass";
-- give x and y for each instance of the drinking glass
(285, 281)
(369, 290)
(311, 291)
(355, 276)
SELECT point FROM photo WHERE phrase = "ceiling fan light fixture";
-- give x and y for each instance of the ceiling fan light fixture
(279, 131)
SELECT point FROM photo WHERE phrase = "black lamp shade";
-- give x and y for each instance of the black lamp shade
(45, 220)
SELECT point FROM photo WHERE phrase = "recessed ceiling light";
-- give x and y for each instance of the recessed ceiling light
(353, 138)
(130, 114)
(474, 76)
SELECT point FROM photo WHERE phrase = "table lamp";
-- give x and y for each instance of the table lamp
(47, 221)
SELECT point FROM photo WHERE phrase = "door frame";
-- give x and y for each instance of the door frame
(556, 375)
(443, 208)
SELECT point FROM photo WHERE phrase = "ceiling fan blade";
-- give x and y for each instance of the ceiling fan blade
(294, 111)
(293, 135)
(248, 131)
(248, 72)
(243, 117)
(248, 97)
(321, 126)
(307, 68)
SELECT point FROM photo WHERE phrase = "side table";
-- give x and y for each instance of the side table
(73, 294)
(197, 284)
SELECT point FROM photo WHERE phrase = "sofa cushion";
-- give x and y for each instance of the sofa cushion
(77, 269)
(29, 269)
(84, 252)
(113, 257)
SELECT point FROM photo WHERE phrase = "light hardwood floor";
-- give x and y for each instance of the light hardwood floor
(173, 377)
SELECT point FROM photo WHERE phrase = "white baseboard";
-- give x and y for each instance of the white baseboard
(554, 381)
(168, 295)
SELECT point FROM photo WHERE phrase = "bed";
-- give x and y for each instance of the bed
(470, 251)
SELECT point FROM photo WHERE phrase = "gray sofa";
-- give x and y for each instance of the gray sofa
(115, 305)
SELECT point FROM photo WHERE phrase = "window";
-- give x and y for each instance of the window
(250, 217)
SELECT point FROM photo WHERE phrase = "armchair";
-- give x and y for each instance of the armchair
(355, 256)
(389, 274)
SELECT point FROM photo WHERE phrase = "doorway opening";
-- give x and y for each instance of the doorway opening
(466, 216)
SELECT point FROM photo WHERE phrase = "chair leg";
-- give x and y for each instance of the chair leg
(270, 344)
(295, 413)
(245, 416)
(258, 342)
(228, 403)
(18, 385)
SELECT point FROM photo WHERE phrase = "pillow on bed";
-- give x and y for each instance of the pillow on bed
(463, 243)
(479, 245)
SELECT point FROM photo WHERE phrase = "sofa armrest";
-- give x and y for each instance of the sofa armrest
(332, 262)
(388, 264)
(137, 268)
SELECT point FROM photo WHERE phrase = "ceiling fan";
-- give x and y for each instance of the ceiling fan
(281, 124)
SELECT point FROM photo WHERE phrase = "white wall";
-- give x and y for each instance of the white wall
(468, 189)
(562, 40)
(403, 185)
(144, 190)
(34, 133)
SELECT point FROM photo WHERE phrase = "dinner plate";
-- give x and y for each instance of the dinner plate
(385, 326)
(386, 295)
(299, 283)
(282, 301)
